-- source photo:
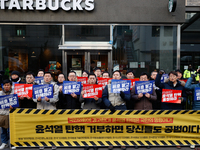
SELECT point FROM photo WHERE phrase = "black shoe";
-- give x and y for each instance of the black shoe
(136, 147)
(95, 148)
(110, 147)
(123, 147)
(86, 148)
(148, 147)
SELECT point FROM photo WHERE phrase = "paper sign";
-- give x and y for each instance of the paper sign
(132, 82)
(83, 80)
(45, 90)
(120, 85)
(39, 80)
(70, 87)
(144, 87)
(197, 94)
(103, 81)
(164, 76)
(24, 90)
(171, 96)
(92, 90)
(7, 100)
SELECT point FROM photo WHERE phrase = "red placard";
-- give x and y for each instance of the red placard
(25, 90)
(185, 80)
(83, 80)
(171, 96)
(103, 81)
(132, 82)
(92, 90)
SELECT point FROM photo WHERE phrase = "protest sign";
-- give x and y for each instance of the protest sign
(132, 82)
(197, 94)
(120, 85)
(83, 80)
(164, 76)
(70, 87)
(171, 96)
(92, 90)
(7, 100)
(103, 81)
(39, 80)
(144, 87)
(45, 90)
(24, 90)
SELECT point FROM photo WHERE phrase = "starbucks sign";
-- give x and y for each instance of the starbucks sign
(172, 5)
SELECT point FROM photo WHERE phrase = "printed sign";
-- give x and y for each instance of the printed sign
(7, 100)
(45, 90)
(132, 82)
(39, 80)
(144, 87)
(103, 81)
(197, 94)
(70, 87)
(164, 76)
(92, 90)
(171, 96)
(83, 80)
(93, 127)
(120, 85)
(24, 90)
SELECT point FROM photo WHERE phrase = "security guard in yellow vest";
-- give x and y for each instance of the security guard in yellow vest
(188, 72)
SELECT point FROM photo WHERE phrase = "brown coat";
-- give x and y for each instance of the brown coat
(143, 103)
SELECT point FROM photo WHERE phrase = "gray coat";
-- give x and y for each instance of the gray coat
(52, 101)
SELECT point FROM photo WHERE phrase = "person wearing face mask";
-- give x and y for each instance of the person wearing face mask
(15, 77)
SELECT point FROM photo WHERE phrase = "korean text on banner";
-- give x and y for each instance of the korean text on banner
(24, 90)
(132, 82)
(39, 80)
(164, 76)
(7, 100)
(92, 90)
(43, 91)
(171, 96)
(70, 87)
(103, 81)
(120, 85)
(144, 87)
(83, 80)
(197, 94)
(77, 128)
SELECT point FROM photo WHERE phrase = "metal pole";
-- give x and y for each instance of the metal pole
(178, 46)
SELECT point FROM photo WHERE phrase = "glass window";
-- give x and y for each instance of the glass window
(144, 48)
(87, 33)
(29, 48)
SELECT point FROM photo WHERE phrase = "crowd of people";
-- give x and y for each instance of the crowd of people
(108, 100)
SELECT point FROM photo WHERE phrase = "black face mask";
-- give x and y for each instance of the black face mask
(15, 80)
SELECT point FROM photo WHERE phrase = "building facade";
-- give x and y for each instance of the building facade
(69, 35)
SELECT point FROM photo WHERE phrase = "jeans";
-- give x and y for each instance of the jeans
(121, 107)
(4, 135)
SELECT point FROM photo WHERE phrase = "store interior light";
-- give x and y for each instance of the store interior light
(33, 54)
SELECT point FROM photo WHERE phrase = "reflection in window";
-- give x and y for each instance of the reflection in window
(20, 30)
(155, 31)
(168, 31)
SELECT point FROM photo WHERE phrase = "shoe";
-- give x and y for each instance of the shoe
(123, 147)
(110, 147)
(148, 147)
(178, 146)
(13, 147)
(41, 147)
(86, 148)
(192, 146)
(95, 148)
(3, 145)
(136, 147)
(54, 147)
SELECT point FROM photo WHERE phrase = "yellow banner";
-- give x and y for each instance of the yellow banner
(35, 127)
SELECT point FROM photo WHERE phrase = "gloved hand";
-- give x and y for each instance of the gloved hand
(112, 108)
(161, 72)
(122, 94)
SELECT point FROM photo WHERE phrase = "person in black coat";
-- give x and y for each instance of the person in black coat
(173, 84)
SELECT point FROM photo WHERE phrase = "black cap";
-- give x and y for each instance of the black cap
(15, 72)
